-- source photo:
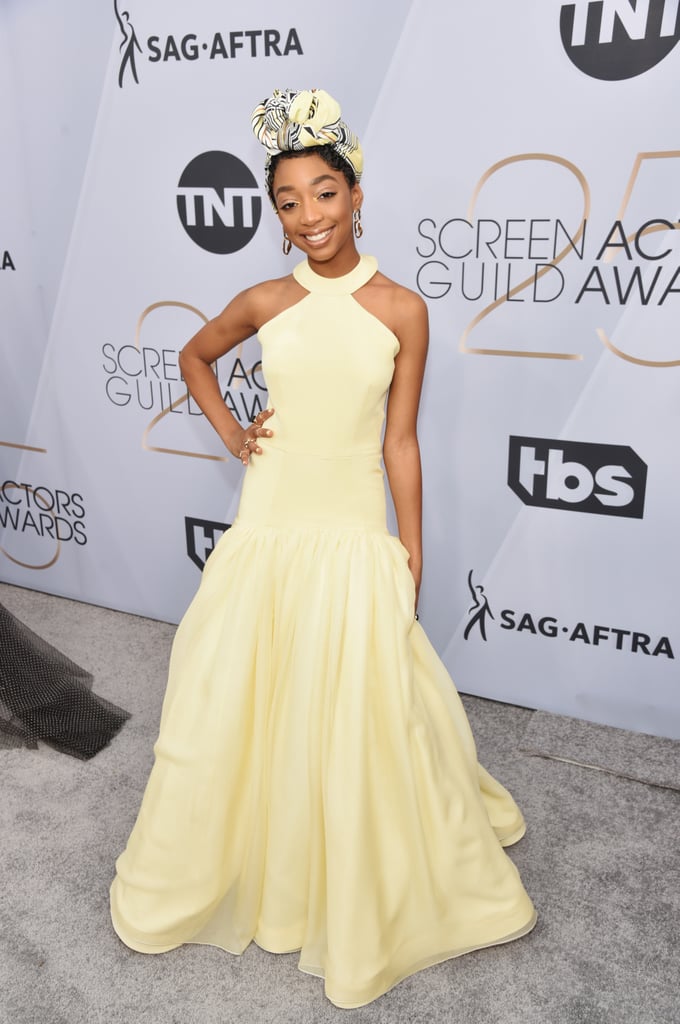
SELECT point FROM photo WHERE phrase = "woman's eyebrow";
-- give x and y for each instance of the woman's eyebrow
(314, 181)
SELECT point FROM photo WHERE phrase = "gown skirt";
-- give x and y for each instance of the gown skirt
(316, 784)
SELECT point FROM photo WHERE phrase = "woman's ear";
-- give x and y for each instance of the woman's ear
(357, 197)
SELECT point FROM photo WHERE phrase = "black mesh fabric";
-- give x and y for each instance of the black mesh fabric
(46, 696)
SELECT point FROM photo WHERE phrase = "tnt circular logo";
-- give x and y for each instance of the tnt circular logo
(616, 39)
(219, 202)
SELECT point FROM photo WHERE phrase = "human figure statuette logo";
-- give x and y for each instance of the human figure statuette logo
(478, 610)
(128, 46)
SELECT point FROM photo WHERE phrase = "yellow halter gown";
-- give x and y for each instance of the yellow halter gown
(316, 784)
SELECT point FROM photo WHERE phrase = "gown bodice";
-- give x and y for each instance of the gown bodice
(328, 364)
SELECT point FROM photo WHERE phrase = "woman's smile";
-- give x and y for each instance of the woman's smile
(318, 237)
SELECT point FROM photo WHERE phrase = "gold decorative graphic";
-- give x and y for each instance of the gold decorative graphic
(525, 353)
(637, 164)
(663, 364)
(23, 447)
(610, 256)
(185, 397)
(29, 565)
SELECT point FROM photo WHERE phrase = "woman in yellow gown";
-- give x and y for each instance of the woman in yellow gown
(316, 785)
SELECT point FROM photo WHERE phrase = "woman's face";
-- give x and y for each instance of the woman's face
(315, 206)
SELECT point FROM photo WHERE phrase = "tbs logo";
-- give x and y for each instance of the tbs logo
(606, 479)
(202, 536)
(616, 39)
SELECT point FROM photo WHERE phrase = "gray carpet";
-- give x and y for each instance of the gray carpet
(600, 860)
(632, 755)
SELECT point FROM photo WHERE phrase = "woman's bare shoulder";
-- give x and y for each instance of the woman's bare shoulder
(267, 299)
(396, 305)
(399, 293)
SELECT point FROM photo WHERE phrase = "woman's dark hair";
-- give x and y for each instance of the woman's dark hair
(327, 153)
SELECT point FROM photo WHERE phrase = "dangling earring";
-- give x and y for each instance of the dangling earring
(356, 224)
(287, 244)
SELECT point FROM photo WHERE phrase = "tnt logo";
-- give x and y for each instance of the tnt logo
(616, 39)
(202, 536)
(219, 202)
(607, 479)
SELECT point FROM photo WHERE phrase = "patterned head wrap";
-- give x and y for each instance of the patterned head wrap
(291, 120)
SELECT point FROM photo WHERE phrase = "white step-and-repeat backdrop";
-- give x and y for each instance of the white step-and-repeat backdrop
(522, 173)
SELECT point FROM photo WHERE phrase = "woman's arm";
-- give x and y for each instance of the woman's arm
(401, 453)
(238, 321)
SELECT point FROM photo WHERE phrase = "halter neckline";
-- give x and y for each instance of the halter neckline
(343, 285)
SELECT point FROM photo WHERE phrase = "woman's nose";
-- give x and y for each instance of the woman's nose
(310, 212)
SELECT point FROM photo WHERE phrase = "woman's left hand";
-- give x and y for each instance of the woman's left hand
(249, 442)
